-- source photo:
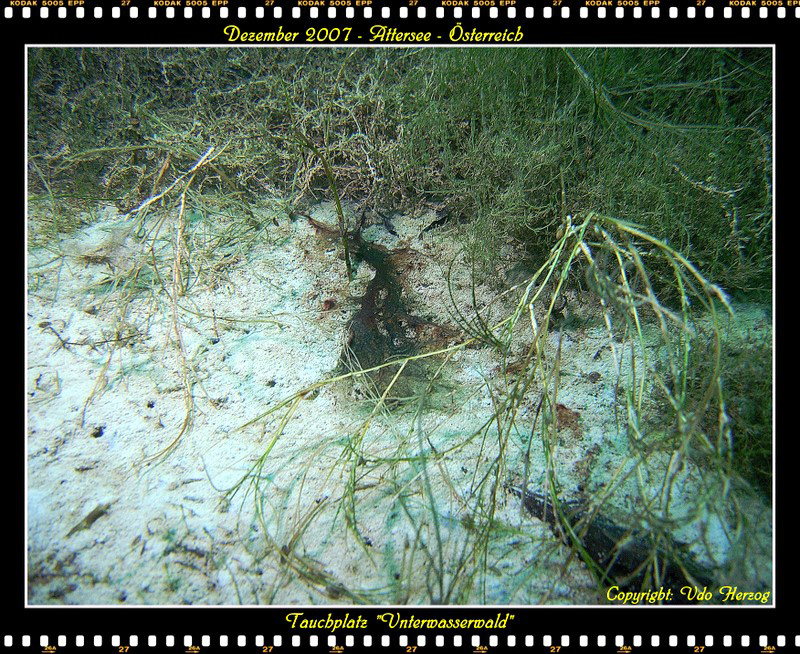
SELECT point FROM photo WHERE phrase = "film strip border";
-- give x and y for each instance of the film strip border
(410, 644)
(224, 9)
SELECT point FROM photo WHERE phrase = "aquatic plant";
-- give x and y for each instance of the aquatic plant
(588, 163)
(651, 344)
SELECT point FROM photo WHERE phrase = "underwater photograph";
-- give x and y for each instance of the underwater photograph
(399, 326)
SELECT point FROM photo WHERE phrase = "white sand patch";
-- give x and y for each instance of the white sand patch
(348, 506)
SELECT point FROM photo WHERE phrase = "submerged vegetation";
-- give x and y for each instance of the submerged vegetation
(506, 141)
(621, 196)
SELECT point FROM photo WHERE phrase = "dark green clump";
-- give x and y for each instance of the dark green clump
(378, 329)
(745, 373)
(384, 329)
(747, 378)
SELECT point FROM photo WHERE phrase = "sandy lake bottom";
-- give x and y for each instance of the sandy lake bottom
(171, 460)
